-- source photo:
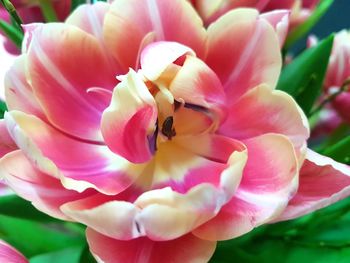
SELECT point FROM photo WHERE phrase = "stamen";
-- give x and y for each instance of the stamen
(152, 140)
(177, 105)
(196, 107)
(167, 94)
(167, 128)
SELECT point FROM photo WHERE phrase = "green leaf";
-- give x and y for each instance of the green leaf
(339, 151)
(68, 255)
(14, 206)
(13, 13)
(305, 27)
(34, 238)
(48, 10)
(76, 3)
(322, 236)
(303, 78)
(332, 138)
(86, 256)
(3, 108)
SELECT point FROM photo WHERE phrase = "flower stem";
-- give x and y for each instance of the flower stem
(13, 13)
(48, 10)
(330, 98)
(12, 32)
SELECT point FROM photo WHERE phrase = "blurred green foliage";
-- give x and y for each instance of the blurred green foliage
(321, 237)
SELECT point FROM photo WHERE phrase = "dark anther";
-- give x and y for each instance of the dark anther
(177, 105)
(195, 107)
(152, 140)
(167, 128)
(138, 227)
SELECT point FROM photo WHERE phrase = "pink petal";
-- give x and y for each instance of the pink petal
(129, 123)
(195, 77)
(262, 111)
(129, 21)
(18, 91)
(278, 4)
(310, 3)
(89, 18)
(184, 249)
(243, 50)
(116, 219)
(10, 254)
(339, 64)
(193, 122)
(61, 86)
(219, 161)
(160, 214)
(44, 191)
(85, 166)
(342, 105)
(279, 19)
(210, 10)
(156, 57)
(6, 143)
(199, 187)
(323, 181)
(269, 180)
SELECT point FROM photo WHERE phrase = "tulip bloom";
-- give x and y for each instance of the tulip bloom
(158, 134)
(337, 80)
(9, 254)
(338, 74)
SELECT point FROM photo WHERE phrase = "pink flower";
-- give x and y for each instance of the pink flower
(190, 144)
(210, 10)
(338, 74)
(9, 254)
(30, 12)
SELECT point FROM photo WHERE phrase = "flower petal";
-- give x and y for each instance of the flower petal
(243, 50)
(156, 57)
(86, 165)
(168, 212)
(130, 121)
(262, 111)
(18, 92)
(279, 19)
(10, 254)
(323, 181)
(6, 143)
(195, 77)
(129, 21)
(342, 105)
(44, 191)
(184, 249)
(61, 86)
(112, 218)
(210, 10)
(269, 180)
(89, 18)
